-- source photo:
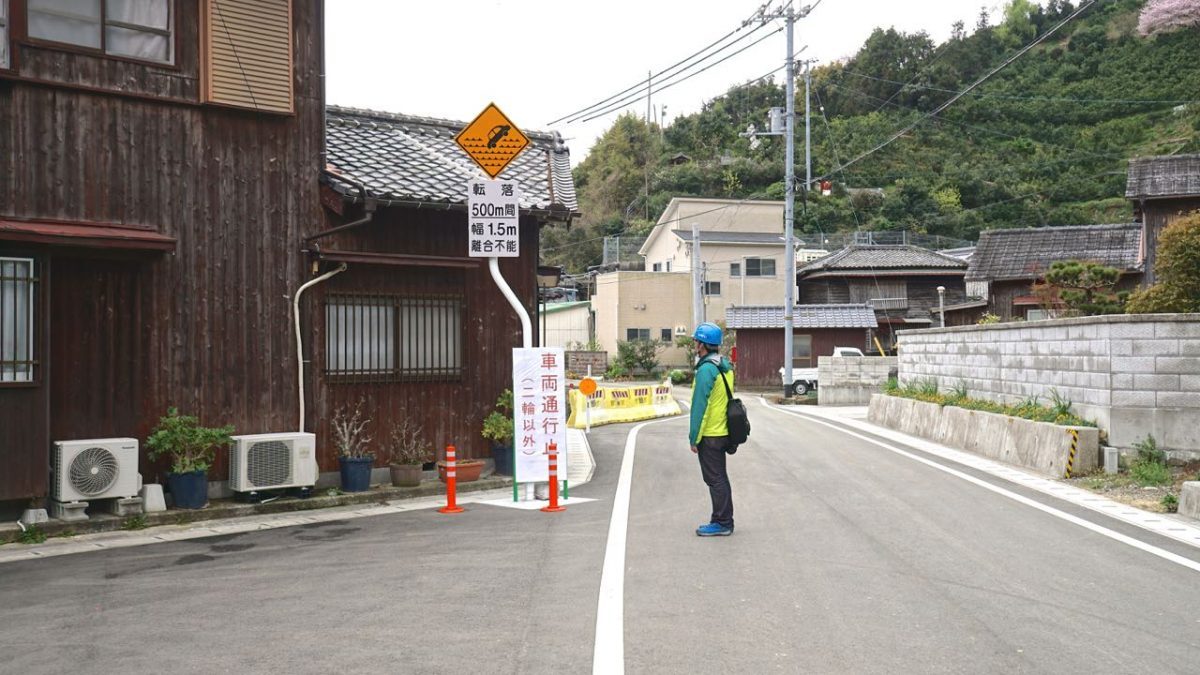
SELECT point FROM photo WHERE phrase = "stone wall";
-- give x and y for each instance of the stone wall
(850, 380)
(1133, 375)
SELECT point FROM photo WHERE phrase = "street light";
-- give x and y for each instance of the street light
(942, 304)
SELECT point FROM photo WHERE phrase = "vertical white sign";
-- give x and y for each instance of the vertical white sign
(493, 211)
(539, 412)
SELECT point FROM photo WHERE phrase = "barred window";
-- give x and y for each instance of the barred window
(16, 319)
(387, 338)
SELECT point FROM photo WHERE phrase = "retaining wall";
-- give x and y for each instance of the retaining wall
(851, 380)
(1040, 446)
(1133, 375)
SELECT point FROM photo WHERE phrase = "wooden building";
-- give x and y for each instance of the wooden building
(817, 330)
(899, 282)
(1007, 263)
(1162, 190)
(160, 197)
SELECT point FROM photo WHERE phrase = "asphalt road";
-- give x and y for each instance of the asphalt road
(847, 558)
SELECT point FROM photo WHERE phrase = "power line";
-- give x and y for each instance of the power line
(624, 102)
(641, 83)
(1021, 52)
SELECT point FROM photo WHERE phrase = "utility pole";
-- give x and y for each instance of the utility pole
(789, 204)
(697, 292)
(807, 126)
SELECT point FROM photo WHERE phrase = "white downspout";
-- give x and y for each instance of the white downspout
(300, 340)
(526, 324)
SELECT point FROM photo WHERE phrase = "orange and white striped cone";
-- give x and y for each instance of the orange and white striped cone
(451, 482)
(553, 507)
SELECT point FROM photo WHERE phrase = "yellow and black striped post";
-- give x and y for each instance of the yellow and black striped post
(1074, 445)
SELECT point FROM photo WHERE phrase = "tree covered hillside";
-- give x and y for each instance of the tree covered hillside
(1044, 142)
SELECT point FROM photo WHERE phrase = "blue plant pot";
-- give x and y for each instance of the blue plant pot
(189, 490)
(356, 473)
(503, 456)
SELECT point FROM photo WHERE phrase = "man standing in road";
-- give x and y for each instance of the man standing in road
(709, 432)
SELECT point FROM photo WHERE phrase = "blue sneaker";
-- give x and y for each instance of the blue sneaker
(713, 530)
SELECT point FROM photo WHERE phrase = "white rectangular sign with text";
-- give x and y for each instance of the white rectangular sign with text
(539, 412)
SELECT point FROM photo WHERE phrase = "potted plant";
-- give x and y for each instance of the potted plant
(192, 449)
(355, 458)
(408, 451)
(466, 470)
(498, 428)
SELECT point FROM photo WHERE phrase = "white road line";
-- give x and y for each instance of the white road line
(1075, 520)
(608, 655)
(1167, 526)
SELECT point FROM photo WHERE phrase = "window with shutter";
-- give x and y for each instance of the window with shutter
(248, 54)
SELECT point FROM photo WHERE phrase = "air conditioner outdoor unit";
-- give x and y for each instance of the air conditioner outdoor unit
(681, 330)
(272, 462)
(100, 468)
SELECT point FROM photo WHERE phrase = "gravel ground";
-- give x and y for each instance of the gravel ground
(1123, 488)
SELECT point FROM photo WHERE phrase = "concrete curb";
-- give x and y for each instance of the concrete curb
(226, 509)
(1039, 446)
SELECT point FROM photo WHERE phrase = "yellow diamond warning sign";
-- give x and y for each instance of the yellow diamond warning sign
(492, 140)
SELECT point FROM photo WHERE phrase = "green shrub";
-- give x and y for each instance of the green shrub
(638, 355)
(679, 376)
(498, 425)
(1170, 502)
(190, 446)
(32, 535)
(1150, 473)
(616, 371)
(1148, 451)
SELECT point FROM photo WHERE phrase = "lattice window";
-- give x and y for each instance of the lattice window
(880, 293)
(802, 351)
(387, 338)
(17, 313)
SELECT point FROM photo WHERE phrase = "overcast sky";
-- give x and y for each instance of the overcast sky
(541, 59)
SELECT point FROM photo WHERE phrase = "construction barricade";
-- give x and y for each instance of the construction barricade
(610, 405)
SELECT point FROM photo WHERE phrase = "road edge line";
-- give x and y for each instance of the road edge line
(1021, 499)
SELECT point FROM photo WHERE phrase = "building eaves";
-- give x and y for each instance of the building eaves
(804, 316)
(1163, 176)
(1026, 253)
(875, 258)
(405, 158)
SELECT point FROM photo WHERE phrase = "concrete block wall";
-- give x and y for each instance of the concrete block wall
(1133, 375)
(851, 380)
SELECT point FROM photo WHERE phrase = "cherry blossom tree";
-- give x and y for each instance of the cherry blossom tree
(1164, 16)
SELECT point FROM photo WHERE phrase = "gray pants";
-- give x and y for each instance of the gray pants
(711, 452)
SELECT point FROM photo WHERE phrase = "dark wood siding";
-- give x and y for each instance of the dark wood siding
(23, 407)
(760, 351)
(1156, 215)
(206, 328)
(448, 411)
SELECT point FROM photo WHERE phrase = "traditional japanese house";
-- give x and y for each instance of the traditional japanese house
(162, 175)
(1162, 190)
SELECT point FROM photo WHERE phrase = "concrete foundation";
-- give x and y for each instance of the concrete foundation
(1042, 447)
(1189, 500)
(124, 507)
(69, 511)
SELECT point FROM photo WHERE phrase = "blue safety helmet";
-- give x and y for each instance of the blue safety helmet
(709, 334)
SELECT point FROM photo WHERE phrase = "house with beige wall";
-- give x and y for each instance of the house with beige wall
(741, 260)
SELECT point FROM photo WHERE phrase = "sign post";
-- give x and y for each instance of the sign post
(539, 412)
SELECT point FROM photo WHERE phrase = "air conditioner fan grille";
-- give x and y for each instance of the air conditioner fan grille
(269, 463)
(93, 471)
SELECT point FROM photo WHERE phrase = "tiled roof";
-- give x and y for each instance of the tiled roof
(727, 237)
(406, 158)
(804, 316)
(1026, 253)
(1164, 176)
(899, 257)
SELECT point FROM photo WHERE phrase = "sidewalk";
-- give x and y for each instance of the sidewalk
(1168, 525)
(104, 531)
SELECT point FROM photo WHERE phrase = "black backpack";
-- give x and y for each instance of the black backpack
(735, 416)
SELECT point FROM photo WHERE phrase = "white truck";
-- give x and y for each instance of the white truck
(804, 380)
